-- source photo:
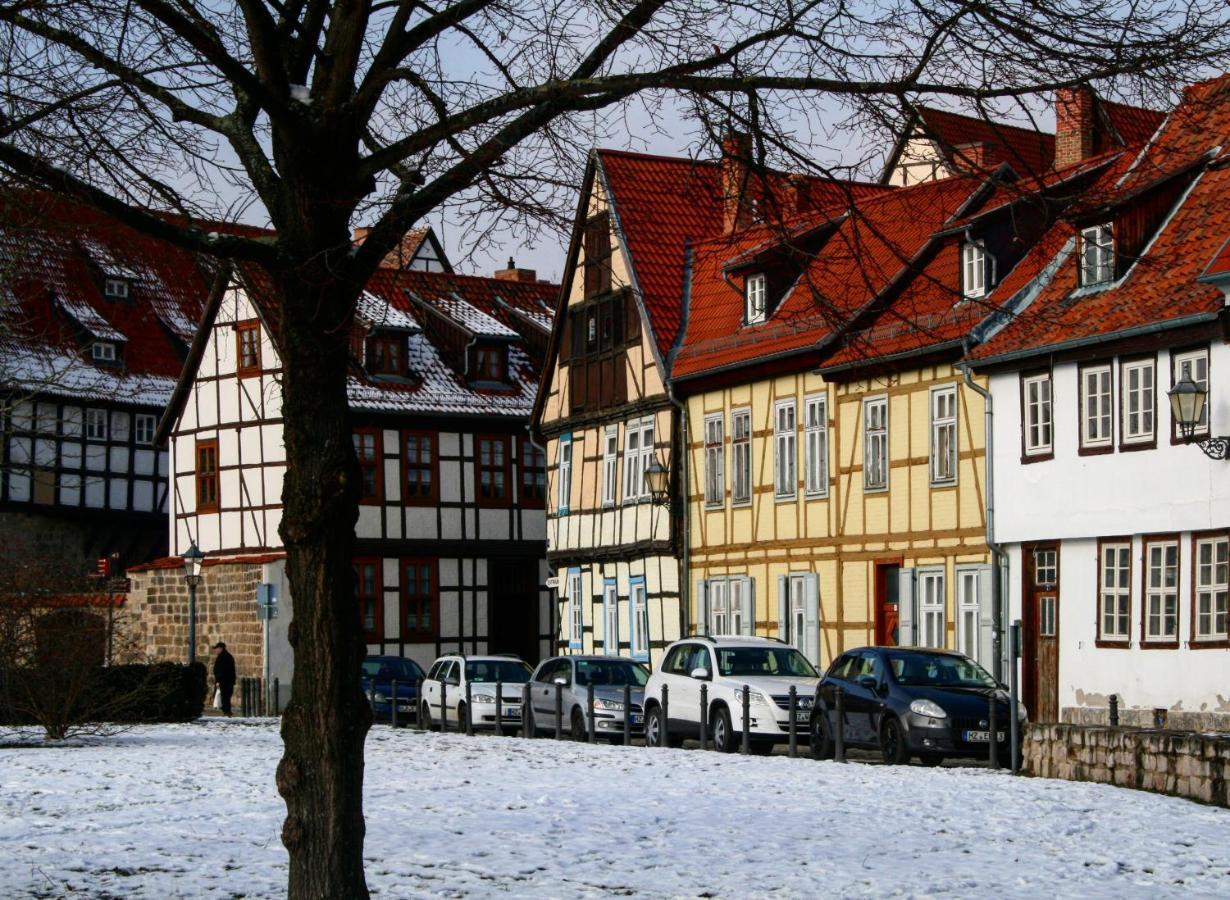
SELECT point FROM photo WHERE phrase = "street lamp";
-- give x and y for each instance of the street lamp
(658, 477)
(1187, 404)
(192, 577)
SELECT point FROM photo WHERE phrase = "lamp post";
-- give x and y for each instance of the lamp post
(658, 478)
(1187, 403)
(192, 577)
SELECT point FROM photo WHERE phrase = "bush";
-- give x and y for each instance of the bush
(160, 692)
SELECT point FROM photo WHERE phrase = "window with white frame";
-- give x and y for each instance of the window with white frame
(931, 607)
(1036, 414)
(1097, 255)
(1194, 364)
(1096, 406)
(638, 449)
(1115, 588)
(610, 464)
(1136, 380)
(564, 474)
(754, 294)
(944, 435)
(816, 446)
(719, 607)
(969, 615)
(576, 612)
(144, 426)
(1212, 578)
(785, 450)
(1162, 590)
(715, 460)
(103, 351)
(96, 424)
(875, 444)
(741, 456)
(639, 613)
(610, 618)
(1046, 567)
(735, 588)
(797, 587)
(1047, 618)
(974, 270)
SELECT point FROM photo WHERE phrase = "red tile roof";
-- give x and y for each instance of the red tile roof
(1028, 151)
(1134, 124)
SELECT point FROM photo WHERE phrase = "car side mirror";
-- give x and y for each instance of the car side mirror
(700, 673)
(561, 681)
(868, 681)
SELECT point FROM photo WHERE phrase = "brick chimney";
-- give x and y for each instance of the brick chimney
(399, 257)
(512, 273)
(736, 156)
(1075, 121)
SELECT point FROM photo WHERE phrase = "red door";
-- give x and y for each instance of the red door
(886, 602)
(1040, 633)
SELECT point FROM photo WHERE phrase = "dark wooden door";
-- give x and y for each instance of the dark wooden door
(886, 611)
(1040, 632)
(512, 607)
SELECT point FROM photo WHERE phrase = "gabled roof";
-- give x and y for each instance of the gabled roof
(1028, 151)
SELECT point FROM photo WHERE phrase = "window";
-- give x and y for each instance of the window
(103, 351)
(368, 454)
(1162, 590)
(815, 446)
(719, 608)
(1096, 399)
(1194, 364)
(610, 464)
(754, 296)
(1036, 414)
(248, 342)
(145, 425)
(638, 449)
(931, 607)
(639, 603)
(1046, 615)
(115, 288)
(974, 270)
(944, 435)
(797, 611)
(875, 444)
(737, 595)
(96, 424)
(564, 473)
(1212, 578)
(1046, 567)
(715, 459)
(419, 459)
(386, 354)
(576, 613)
(418, 601)
(785, 451)
(597, 238)
(741, 456)
(489, 364)
(1097, 255)
(533, 475)
(367, 589)
(1115, 591)
(969, 618)
(1136, 381)
(206, 476)
(610, 617)
(493, 465)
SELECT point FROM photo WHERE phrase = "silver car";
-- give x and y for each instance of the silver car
(572, 676)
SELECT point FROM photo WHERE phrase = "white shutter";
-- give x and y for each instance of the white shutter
(986, 618)
(702, 606)
(907, 615)
(749, 605)
(811, 600)
(783, 609)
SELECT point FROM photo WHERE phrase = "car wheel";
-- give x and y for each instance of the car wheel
(655, 727)
(931, 760)
(577, 727)
(425, 717)
(892, 743)
(723, 732)
(821, 743)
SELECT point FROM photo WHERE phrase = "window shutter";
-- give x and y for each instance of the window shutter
(907, 618)
(811, 601)
(749, 605)
(565, 338)
(632, 331)
(986, 618)
(702, 606)
(783, 609)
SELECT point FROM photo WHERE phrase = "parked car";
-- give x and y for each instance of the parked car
(768, 667)
(574, 675)
(444, 691)
(379, 673)
(911, 701)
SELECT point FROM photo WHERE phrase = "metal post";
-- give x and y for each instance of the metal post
(992, 719)
(559, 711)
(839, 733)
(704, 716)
(589, 703)
(277, 698)
(1114, 710)
(371, 696)
(394, 701)
(627, 714)
(419, 723)
(666, 706)
(1014, 727)
(527, 714)
(794, 731)
(499, 708)
(469, 711)
(443, 707)
(747, 721)
(191, 621)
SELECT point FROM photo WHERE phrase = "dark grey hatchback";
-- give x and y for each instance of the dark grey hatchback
(910, 701)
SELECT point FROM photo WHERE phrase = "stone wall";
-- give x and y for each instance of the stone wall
(1184, 764)
(1140, 717)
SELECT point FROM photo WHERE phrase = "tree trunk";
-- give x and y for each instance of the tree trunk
(326, 722)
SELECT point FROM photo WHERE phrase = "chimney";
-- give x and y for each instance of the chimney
(512, 273)
(736, 155)
(1074, 125)
(401, 255)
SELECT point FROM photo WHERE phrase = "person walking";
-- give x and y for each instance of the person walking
(224, 675)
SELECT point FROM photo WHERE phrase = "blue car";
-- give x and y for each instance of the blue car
(379, 673)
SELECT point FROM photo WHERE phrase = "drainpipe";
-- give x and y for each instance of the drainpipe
(1001, 558)
(685, 583)
(553, 602)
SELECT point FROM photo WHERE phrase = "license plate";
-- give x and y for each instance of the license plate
(405, 707)
(636, 718)
(982, 737)
(802, 715)
(512, 712)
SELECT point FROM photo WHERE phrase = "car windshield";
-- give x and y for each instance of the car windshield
(938, 670)
(509, 671)
(392, 670)
(610, 673)
(764, 661)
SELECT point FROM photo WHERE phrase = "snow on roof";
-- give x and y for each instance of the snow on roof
(52, 371)
(471, 318)
(88, 318)
(376, 312)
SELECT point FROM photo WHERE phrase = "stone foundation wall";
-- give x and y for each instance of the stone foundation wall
(1184, 764)
(1136, 717)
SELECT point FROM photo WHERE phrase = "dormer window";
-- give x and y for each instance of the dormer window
(386, 354)
(115, 288)
(491, 364)
(1097, 258)
(973, 270)
(103, 351)
(754, 293)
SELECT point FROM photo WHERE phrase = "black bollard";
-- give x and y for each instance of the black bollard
(1114, 710)
(394, 701)
(499, 708)
(992, 719)
(839, 736)
(419, 722)
(747, 722)
(527, 714)
(794, 731)
(559, 711)
(443, 707)
(469, 711)
(277, 699)
(666, 705)
(591, 736)
(627, 714)
(704, 716)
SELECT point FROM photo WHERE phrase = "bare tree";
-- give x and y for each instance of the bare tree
(324, 113)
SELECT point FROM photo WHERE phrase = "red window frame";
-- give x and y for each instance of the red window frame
(369, 595)
(207, 499)
(420, 595)
(490, 472)
(386, 354)
(367, 452)
(533, 470)
(416, 472)
(491, 364)
(248, 348)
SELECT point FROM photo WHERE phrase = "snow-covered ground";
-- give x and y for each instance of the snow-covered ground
(191, 811)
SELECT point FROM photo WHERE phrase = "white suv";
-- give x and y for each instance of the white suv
(766, 666)
(444, 691)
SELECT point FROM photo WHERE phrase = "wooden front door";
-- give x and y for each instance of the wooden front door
(886, 612)
(512, 606)
(1040, 632)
